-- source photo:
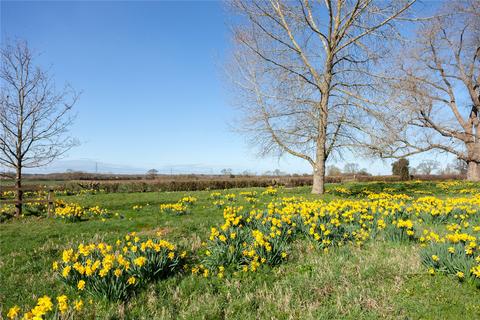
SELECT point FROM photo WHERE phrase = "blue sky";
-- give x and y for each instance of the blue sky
(154, 95)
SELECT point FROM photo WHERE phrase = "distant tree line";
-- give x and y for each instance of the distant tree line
(428, 167)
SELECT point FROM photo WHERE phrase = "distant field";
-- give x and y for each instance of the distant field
(382, 277)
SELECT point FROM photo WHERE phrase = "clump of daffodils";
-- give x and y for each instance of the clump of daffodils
(251, 238)
(69, 211)
(61, 307)
(219, 203)
(180, 207)
(215, 195)
(6, 211)
(270, 191)
(249, 196)
(341, 191)
(177, 208)
(401, 230)
(74, 212)
(115, 270)
(456, 254)
(188, 200)
(231, 197)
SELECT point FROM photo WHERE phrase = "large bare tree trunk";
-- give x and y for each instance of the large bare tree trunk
(19, 192)
(473, 152)
(473, 171)
(473, 165)
(319, 177)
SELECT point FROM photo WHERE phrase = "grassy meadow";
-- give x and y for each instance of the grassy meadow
(377, 277)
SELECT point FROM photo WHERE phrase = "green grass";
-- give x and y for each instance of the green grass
(377, 281)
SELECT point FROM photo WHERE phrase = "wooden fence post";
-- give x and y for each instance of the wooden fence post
(49, 202)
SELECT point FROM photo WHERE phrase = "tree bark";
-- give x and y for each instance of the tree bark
(321, 156)
(19, 192)
(319, 177)
(473, 152)
(473, 171)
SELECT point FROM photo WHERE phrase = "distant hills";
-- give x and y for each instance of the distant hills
(92, 166)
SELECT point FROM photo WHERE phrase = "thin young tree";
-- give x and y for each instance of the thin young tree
(301, 73)
(34, 115)
(435, 90)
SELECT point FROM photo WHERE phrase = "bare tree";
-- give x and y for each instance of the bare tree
(248, 173)
(278, 172)
(436, 92)
(364, 172)
(351, 168)
(226, 172)
(449, 169)
(460, 166)
(428, 166)
(334, 171)
(152, 174)
(302, 73)
(34, 116)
